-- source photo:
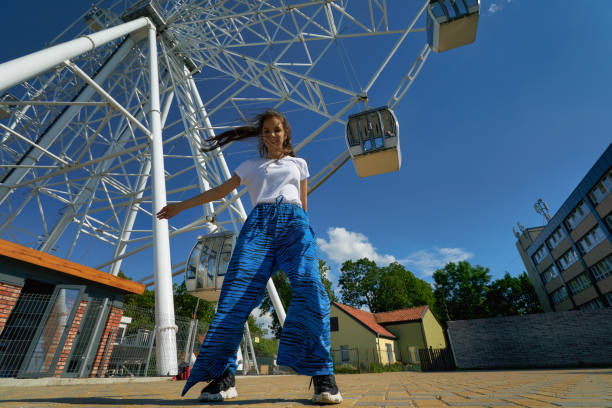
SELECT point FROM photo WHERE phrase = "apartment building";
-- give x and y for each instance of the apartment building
(569, 260)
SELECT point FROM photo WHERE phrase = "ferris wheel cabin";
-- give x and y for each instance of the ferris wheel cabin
(372, 137)
(207, 264)
(451, 23)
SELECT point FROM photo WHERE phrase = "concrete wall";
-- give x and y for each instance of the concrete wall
(355, 335)
(434, 334)
(409, 334)
(350, 332)
(559, 339)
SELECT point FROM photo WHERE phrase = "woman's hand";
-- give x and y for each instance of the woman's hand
(169, 211)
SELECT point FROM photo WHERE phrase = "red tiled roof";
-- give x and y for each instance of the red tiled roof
(403, 315)
(367, 319)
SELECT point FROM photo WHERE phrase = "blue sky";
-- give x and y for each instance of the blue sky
(487, 129)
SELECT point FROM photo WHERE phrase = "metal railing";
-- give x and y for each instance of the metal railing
(133, 349)
(371, 359)
(19, 329)
(96, 339)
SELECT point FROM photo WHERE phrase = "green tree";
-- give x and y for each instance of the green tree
(512, 296)
(392, 287)
(145, 301)
(398, 288)
(359, 283)
(184, 303)
(266, 347)
(461, 291)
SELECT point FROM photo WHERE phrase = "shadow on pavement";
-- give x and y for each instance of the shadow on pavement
(127, 402)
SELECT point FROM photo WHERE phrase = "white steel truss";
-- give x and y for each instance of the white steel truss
(78, 127)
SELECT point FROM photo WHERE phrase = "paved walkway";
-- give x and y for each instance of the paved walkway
(533, 388)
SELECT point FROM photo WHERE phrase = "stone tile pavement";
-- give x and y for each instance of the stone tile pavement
(526, 388)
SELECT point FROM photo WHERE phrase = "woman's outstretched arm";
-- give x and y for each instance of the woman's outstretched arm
(213, 194)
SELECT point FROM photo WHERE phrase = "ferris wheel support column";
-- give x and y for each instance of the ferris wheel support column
(134, 206)
(165, 350)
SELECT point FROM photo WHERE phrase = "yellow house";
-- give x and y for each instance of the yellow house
(359, 338)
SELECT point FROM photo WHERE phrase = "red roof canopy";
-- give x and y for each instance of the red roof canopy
(373, 321)
(402, 315)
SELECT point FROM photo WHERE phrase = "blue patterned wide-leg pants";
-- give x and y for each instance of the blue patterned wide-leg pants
(275, 236)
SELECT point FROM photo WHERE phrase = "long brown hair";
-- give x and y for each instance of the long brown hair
(253, 130)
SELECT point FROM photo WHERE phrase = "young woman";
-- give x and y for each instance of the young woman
(276, 236)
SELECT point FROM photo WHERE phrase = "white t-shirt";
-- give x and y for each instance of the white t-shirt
(266, 179)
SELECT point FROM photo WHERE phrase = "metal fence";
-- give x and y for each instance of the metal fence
(133, 351)
(58, 335)
(19, 329)
(368, 360)
(437, 359)
(51, 335)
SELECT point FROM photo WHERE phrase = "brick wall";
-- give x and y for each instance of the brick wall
(559, 339)
(8, 297)
(78, 317)
(108, 337)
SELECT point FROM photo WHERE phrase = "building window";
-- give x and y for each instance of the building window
(568, 258)
(538, 256)
(559, 295)
(555, 238)
(580, 283)
(592, 305)
(333, 324)
(601, 189)
(603, 268)
(608, 297)
(591, 239)
(576, 216)
(345, 354)
(390, 356)
(550, 273)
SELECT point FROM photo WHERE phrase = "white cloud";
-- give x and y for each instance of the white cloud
(494, 8)
(344, 245)
(263, 320)
(427, 261)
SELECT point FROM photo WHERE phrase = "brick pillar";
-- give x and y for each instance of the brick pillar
(110, 330)
(78, 317)
(8, 298)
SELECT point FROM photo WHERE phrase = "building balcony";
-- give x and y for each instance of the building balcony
(605, 285)
(585, 296)
(605, 206)
(599, 252)
(546, 262)
(560, 249)
(553, 284)
(585, 226)
(574, 270)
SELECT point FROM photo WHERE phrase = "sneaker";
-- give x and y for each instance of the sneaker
(220, 389)
(326, 390)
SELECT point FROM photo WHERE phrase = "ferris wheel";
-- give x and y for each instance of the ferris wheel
(105, 124)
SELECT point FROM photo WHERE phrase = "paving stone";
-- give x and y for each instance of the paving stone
(482, 403)
(528, 388)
